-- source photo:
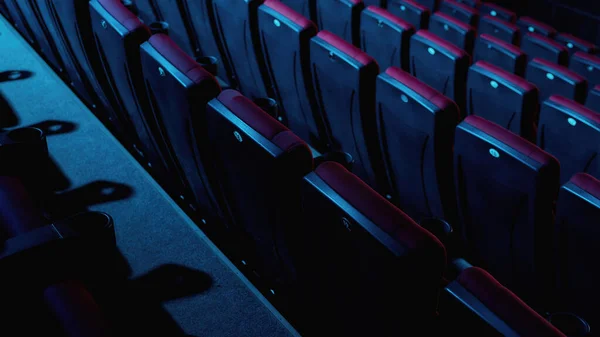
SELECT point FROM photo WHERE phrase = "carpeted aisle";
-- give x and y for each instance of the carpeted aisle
(180, 282)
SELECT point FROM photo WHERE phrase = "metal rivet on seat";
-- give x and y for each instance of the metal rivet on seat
(550, 76)
(272, 291)
(494, 84)
(494, 153)
(590, 68)
(161, 71)
(446, 27)
(402, 8)
(238, 136)
(404, 98)
(493, 13)
(431, 51)
(379, 23)
(531, 29)
(388, 197)
(570, 45)
(331, 56)
(203, 221)
(572, 121)
(280, 118)
(104, 25)
(277, 23)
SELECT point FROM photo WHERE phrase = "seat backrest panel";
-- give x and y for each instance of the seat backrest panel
(440, 65)
(506, 187)
(344, 88)
(375, 238)
(259, 165)
(587, 66)
(500, 54)
(236, 22)
(554, 79)
(385, 37)
(569, 131)
(502, 30)
(516, 104)
(176, 83)
(578, 211)
(411, 12)
(416, 129)
(340, 17)
(286, 50)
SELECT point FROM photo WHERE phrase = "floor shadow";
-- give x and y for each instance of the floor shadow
(57, 180)
(8, 117)
(79, 199)
(55, 127)
(135, 307)
(14, 75)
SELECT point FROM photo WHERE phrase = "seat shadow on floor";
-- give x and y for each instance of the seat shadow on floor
(79, 199)
(8, 117)
(14, 75)
(136, 306)
(55, 127)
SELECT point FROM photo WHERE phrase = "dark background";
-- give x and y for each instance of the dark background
(578, 17)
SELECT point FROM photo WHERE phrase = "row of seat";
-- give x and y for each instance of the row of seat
(228, 159)
(242, 166)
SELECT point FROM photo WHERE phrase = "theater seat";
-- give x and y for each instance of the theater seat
(390, 265)
(203, 29)
(538, 46)
(593, 99)
(416, 127)
(578, 211)
(529, 25)
(344, 88)
(501, 54)
(516, 101)
(506, 187)
(460, 12)
(259, 165)
(570, 132)
(238, 31)
(587, 66)
(501, 13)
(118, 34)
(450, 29)
(285, 38)
(178, 89)
(411, 12)
(440, 65)
(500, 29)
(340, 17)
(71, 39)
(303, 7)
(575, 44)
(553, 79)
(20, 21)
(385, 37)
(28, 22)
(483, 306)
(4, 10)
